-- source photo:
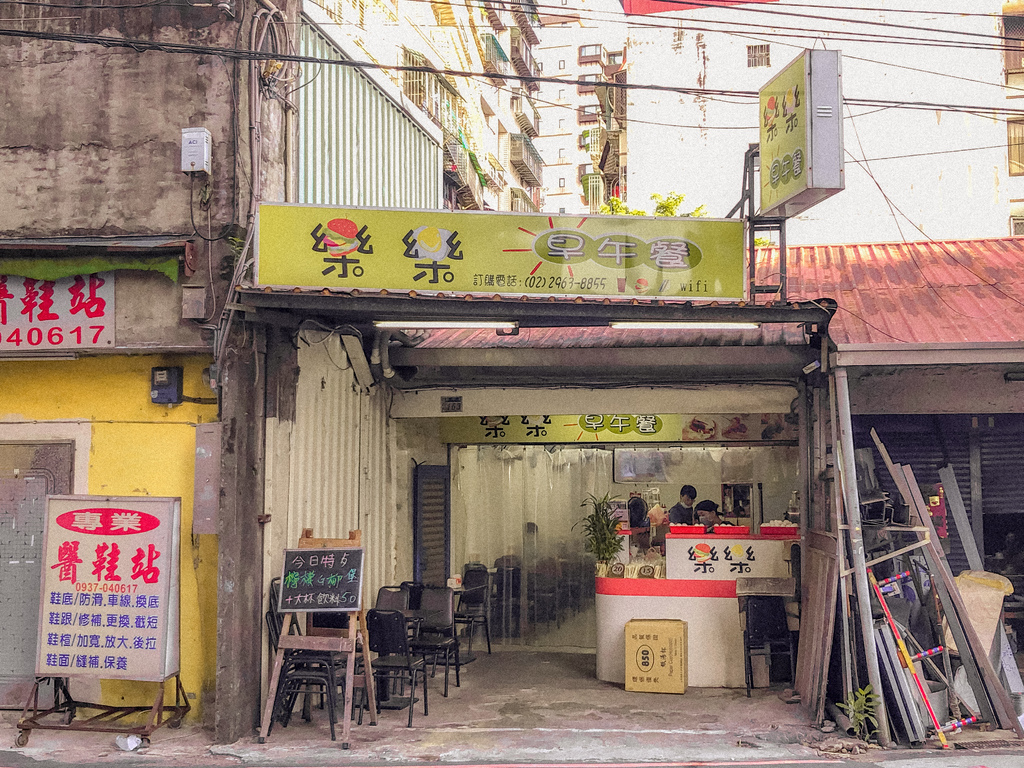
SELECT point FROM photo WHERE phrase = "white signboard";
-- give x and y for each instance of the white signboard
(802, 134)
(70, 313)
(109, 602)
(723, 558)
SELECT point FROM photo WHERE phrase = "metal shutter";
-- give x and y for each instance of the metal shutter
(431, 518)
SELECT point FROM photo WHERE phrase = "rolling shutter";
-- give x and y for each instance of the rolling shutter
(431, 518)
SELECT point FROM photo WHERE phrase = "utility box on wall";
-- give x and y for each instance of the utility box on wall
(656, 655)
(206, 500)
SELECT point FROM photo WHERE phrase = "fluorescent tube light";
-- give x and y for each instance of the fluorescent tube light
(682, 325)
(500, 325)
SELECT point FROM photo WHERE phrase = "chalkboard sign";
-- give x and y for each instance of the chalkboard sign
(329, 580)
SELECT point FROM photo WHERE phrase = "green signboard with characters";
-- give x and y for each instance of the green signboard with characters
(507, 254)
(619, 428)
(784, 135)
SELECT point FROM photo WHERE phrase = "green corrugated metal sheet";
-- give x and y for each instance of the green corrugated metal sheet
(356, 147)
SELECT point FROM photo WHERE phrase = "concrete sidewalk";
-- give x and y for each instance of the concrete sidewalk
(513, 707)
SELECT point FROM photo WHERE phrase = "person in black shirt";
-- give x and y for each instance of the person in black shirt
(682, 513)
(707, 513)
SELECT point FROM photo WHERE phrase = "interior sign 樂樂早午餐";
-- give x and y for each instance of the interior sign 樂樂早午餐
(619, 428)
(801, 137)
(109, 603)
(507, 254)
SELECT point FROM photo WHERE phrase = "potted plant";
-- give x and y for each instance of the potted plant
(600, 527)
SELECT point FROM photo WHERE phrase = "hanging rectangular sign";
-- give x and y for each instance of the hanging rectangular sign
(109, 603)
(618, 428)
(802, 135)
(69, 313)
(422, 252)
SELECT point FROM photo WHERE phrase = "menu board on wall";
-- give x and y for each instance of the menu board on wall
(109, 601)
(322, 580)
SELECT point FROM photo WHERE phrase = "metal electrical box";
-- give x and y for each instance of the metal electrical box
(196, 150)
(166, 385)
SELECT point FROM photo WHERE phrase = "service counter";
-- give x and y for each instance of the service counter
(700, 589)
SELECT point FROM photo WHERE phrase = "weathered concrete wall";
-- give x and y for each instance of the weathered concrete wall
(96, 147)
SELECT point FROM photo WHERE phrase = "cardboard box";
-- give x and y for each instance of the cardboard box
(656, 655)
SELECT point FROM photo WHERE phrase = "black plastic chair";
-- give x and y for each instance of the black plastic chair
(395, 663)
(436, 638)
(306, 673)
(415, 589)
(392, 599)
(766, 632)
(473, 602)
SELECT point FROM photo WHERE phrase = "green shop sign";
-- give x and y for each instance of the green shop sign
(507, 254)
(619, 428)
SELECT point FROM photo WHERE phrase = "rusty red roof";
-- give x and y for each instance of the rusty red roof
(940, 292)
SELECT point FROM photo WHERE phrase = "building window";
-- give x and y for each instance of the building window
(561, 63)
(1013, 53)
(759, 56)
(561, 153)
(617, 57)
(561, 183)
(561, 123)
(561, 211)
(1017, 226)
(591, 54)
(561, 94)
(1015, 146)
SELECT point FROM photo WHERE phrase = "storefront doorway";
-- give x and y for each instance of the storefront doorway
(516, 508)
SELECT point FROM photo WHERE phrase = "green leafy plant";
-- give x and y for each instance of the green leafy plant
(860, 706)
(664, 205)
(600, 526)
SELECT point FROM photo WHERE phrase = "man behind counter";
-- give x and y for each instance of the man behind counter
(682, 513)
(707, 514)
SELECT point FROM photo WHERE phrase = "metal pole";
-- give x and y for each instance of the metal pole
(849, 669)
(852, 502)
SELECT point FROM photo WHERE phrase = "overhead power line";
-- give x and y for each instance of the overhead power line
(253, 55)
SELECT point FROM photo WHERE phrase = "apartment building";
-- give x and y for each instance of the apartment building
(583, 137)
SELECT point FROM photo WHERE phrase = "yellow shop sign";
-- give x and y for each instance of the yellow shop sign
(508, 254)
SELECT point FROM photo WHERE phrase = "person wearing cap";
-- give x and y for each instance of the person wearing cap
(682, 513)
(707, 513)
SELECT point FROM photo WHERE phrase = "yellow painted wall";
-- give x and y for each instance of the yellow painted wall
(138, 449)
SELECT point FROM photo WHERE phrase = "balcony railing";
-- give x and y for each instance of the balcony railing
(523, 61)
(525, 14)
(527, 116)
(495, 60)
(526, 160)
(493, 8)
(593, 191)
(458, 168)
(521, 202)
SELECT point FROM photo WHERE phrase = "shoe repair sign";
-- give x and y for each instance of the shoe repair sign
(109, 602)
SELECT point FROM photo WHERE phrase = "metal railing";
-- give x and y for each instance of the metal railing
(526, 160)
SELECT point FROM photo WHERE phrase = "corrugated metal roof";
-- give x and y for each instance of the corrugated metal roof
(941, 292)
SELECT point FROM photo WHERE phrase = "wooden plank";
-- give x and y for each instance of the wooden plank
(819, 585)
(955, 504)
(327, 644)
(1002, 706)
